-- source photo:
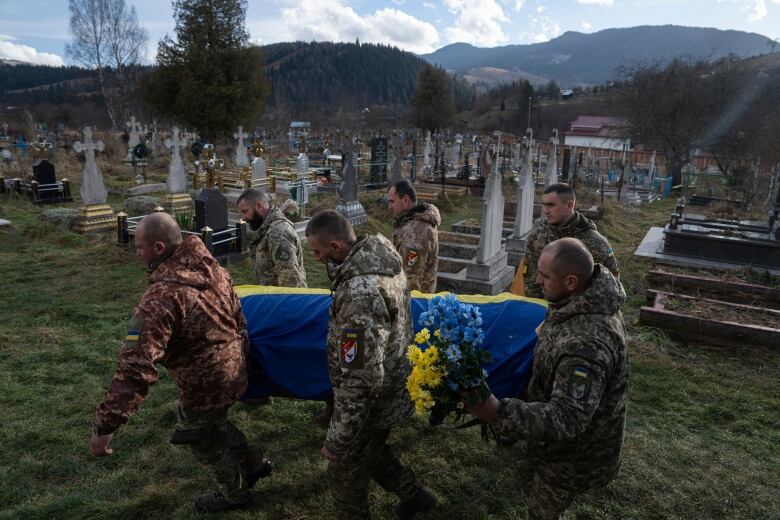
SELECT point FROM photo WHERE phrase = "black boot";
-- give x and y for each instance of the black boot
(422, 502)
(262, 471)
(216, 502)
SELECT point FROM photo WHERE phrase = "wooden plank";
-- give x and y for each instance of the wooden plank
(740, 292)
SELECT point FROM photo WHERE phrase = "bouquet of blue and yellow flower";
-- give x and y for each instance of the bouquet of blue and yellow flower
(448, 363)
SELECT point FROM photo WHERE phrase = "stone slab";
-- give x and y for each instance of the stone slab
(143, 189)
(651, 248)
(460, 284)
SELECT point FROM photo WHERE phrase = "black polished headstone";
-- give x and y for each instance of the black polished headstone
(43, 172)
(378, 159)
(211, 209)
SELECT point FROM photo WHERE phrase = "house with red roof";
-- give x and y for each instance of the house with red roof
(597, 132)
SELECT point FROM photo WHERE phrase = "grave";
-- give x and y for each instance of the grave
(524, 217)
(692, 239)
(45, 188)
(94, 215)
(487, 271)
(349, 205)
(177, 199)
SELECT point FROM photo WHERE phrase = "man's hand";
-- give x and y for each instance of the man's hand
(484, 411)
(325, 452)
(98, 445)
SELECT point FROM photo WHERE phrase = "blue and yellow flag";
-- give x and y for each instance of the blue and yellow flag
(288, 335)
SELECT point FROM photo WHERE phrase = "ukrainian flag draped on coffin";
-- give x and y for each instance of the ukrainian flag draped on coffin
(288, 330)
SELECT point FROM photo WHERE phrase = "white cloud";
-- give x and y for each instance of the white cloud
(16, 51)
(541, 9)
(7, 38)
(519, 4)
(477, 22)
(398, 2)
(543, 28)
(333, 20)
(429, 5)
(596, 2)
(759, 11)
(586, 25)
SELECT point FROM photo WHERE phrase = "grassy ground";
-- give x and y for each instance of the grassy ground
(702, 440)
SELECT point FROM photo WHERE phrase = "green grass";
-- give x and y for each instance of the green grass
(702, 437)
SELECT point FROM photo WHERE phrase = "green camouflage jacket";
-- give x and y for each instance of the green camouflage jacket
(370, 328)
(277, 252)
(575, 411)
(416, 239)
(578, 227)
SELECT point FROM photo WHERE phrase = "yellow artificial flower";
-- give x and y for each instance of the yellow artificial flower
(437, 333)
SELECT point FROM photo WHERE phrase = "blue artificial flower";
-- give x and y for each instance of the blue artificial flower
(453, 354)
(454, 386)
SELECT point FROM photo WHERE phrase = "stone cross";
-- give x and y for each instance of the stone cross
(551, 173)
(134, 134)
(492, 205)
(241, 158)
(93, 191)
(348, 189)
(177, 177)
(427, 152)
(524, 217)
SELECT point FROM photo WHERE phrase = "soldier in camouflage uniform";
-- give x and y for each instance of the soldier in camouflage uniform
(275, 248)
(190, 321)
(561, 220)
(415, 236)
(370, 328)
(574, 415)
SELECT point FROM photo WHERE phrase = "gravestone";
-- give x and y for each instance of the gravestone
(156, 137)
(177, 199)
(211, 209)
(378, 159)
(241, 158)
(43, 172)
(259, 169)
(551, 172)
(349, 205)
(427, 155)
(134, 135)
(95, 215)
(524, 216)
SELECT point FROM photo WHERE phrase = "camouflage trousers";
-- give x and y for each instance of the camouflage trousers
(369, 458)
(221, 447)
(547, 496)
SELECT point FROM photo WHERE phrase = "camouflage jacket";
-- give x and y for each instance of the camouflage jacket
(190, 321)
(575, 411)
(370, 328)
(416, 239)
(277, 252)
(578, 227)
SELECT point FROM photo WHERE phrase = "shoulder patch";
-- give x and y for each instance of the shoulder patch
(283, 252)
(134, 330)
(412, 257)
(351, 349)
(610, 251)
(579, 383)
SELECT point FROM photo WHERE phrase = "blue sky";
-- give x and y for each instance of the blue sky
(37, 30)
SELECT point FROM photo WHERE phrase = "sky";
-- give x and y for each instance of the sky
(37, 30)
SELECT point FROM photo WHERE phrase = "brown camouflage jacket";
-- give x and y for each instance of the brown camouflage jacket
(370, 328)
(190, 321)
(578, 227)
(277, 252)
(416, 239)
(575, 411)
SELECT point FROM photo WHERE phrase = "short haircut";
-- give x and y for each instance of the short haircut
(563, 190)
(570, 257)
(330, 225)
(160, 227)
(252, 196)
(404, 189)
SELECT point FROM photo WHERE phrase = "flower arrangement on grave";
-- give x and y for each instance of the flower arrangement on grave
(449, 363)
(291, 210)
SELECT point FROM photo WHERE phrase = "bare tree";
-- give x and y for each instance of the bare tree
(108, 37)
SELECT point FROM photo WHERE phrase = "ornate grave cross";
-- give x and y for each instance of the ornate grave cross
(135, 132)
(177, 178)
(241, 158)
(93, 191)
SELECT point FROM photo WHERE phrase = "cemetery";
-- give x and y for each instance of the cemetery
(684, 196)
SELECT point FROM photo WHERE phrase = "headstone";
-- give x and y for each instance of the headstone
(211, 209)
(551, 173)
(378, 159)
(524, 216)
(427, 154)
(93, 191)
(134, 134)
(177, 177)
(349, 205)
(259, 169)
(156, 138)
(492, 207)
(43, 172)
(241, 158)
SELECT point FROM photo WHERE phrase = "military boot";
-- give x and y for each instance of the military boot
(263, 470)
(422, 502)
(216, 502)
